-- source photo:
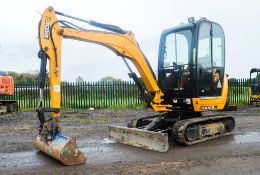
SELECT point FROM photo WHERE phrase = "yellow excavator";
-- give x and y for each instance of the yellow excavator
(191, 80)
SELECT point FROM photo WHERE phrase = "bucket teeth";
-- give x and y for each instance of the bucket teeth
(61, 148)
(151, 140)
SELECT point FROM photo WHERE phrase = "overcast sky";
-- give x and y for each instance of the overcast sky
(146, 18)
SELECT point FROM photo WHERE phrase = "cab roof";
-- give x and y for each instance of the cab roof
(253, 70)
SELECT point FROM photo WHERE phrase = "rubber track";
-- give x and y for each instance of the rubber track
(179, 128)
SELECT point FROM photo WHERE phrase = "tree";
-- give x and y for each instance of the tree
(109, 78)
(26, 78)
(232, 79)
(79, 80)
(15, 75)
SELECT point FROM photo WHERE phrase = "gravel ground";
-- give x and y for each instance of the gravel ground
(238, 153)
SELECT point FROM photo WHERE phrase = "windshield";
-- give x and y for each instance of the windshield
(255, 77)
(177, 47)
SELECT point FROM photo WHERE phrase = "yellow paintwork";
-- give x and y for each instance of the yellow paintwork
(218, 102)
(257, 97)
(125, 44)
(47, 46)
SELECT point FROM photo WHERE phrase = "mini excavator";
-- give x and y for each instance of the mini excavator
(191, 80)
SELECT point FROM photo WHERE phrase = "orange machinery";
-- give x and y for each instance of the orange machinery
(7, 89)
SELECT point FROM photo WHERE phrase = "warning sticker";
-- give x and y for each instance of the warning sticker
(219, 84)
(56, 88)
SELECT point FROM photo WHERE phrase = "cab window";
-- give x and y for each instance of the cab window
(177, 48)
(218, 46)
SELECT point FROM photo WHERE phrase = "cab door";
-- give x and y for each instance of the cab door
(218, 58)
(204, 60)
(210, 59)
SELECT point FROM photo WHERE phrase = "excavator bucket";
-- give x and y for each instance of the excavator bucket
(61, 148)
(140, 138)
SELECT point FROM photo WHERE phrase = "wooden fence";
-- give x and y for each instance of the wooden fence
(106, 94)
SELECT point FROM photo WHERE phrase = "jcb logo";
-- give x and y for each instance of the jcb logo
(47, 28)
(207, 108)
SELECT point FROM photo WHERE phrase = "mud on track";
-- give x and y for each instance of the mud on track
(235, 154)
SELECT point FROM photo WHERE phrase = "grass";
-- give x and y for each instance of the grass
(239, 96)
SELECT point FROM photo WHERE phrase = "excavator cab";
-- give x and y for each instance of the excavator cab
(254, 91)
(191, 63)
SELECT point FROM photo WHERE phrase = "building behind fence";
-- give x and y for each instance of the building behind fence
(106, 94)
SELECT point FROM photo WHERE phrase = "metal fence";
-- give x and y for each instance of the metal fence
(81, 95)
(106, 94)
(239, 91)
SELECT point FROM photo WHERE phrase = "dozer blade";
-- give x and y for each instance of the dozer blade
(61, 148)
(140, 138)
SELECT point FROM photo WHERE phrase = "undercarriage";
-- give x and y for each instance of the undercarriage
(186, 129)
